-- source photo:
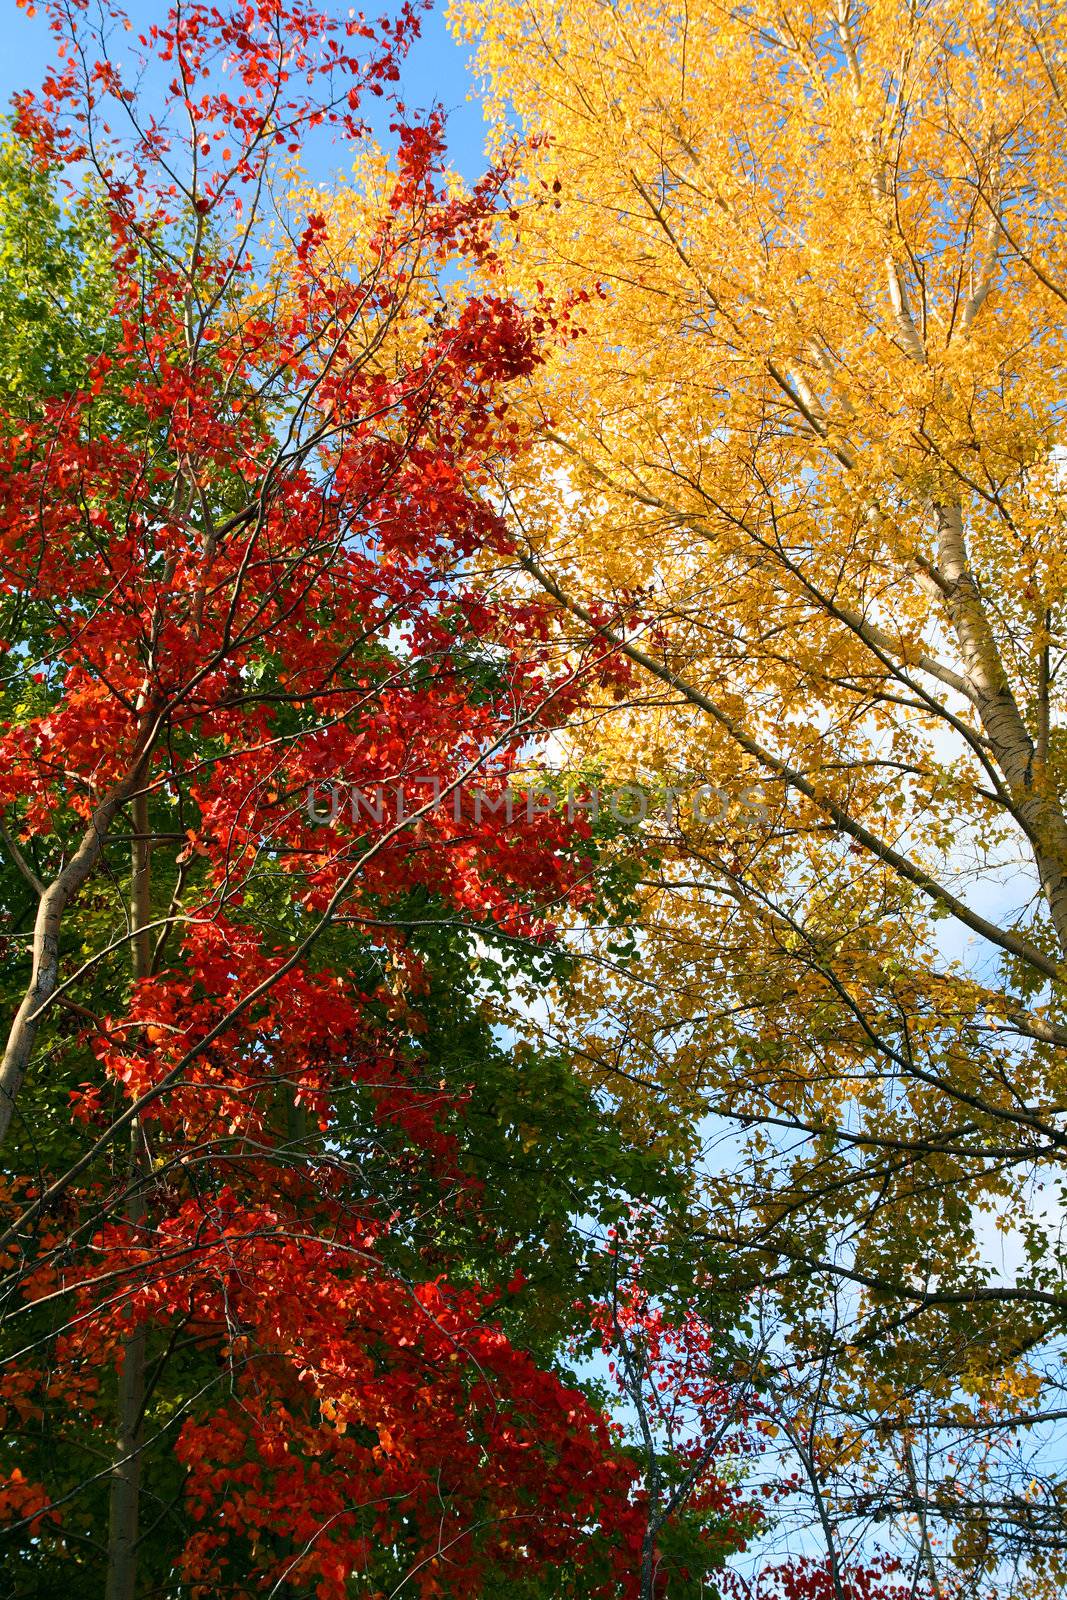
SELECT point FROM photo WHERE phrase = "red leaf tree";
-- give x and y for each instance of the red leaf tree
(237, 564)
(728, 1443)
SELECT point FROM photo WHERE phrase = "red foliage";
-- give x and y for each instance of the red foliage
(713, 1426)
(220, 540)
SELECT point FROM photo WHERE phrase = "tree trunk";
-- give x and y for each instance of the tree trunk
(1037, 807)
(52, 905)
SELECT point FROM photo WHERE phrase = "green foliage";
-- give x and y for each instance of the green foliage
(55, 282)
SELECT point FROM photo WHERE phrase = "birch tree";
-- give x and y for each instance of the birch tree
(799, 457)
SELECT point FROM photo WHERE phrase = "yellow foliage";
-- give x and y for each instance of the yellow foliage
(807, 453)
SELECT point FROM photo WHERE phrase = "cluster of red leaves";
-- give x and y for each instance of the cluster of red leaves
(220, 540)
(813, 1578)
(365, 1411)
(670, 1367)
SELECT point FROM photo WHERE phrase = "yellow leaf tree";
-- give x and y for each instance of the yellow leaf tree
(805, 464)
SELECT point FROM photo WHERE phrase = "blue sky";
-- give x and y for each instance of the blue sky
(434, 73)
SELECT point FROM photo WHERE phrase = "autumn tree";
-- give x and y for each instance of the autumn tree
(729, 1444)
(803, 466)
(292, 1237)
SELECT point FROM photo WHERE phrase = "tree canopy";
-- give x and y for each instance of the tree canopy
(533, 816)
